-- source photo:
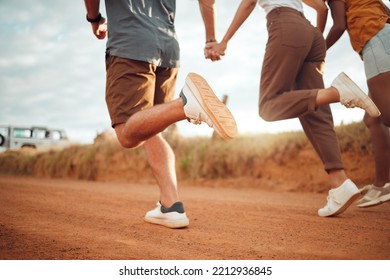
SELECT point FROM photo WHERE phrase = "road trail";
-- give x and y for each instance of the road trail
(66, 219)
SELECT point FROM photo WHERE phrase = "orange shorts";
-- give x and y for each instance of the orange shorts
(132, 86)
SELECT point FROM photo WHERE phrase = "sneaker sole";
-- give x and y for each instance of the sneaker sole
(371, 109)
(346, 204)
(375, 202)
(168, 223)
(223, 120)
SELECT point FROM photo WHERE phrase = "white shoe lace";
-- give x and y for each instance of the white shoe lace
(197, 120)
(331, 197)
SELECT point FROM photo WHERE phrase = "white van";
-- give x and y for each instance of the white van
(40, 138)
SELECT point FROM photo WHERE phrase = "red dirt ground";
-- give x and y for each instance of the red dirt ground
(65, 219)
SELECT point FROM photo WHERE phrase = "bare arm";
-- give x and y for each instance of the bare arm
(207, 10)
(244, 10)
(387, 9)
(338, 12)
(322, 12)
(98, 28)
(92, 7)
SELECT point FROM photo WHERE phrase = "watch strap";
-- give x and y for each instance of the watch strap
(94, 20)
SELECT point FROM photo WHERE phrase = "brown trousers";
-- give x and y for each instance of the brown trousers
(290, 78)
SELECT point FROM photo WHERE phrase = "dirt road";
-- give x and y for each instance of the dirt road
(64, 219)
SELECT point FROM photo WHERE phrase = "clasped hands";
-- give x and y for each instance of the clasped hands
(214, 50)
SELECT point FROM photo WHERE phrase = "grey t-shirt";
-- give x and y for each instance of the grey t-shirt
(143, 30)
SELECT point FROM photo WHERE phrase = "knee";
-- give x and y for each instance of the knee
(385, 117)
(125, 138)
(127, 142)
(386, 121)
(371, 122)
(265, 113)
(265, 116)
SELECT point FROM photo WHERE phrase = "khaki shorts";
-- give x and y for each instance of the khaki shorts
(132, 86)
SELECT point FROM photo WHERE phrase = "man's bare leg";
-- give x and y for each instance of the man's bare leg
(162, 162)
(149, 122)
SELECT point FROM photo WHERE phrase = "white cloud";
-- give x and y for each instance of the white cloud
(52, 71)
(52, 67)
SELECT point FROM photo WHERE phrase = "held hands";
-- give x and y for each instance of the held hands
(214, 50)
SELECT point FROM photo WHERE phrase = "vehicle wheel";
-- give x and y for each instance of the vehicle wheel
(2, 140)
(28, 147)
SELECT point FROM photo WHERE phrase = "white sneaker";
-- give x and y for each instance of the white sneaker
(201, 105)
(172, 217)
(340, 199)
(375, 195)
(352, 96)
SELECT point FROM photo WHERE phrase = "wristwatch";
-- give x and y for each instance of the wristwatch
(94, 20)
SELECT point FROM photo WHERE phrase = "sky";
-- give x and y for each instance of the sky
(52, 70)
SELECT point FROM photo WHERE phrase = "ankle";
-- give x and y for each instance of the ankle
(380, 184)
(337, 177)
